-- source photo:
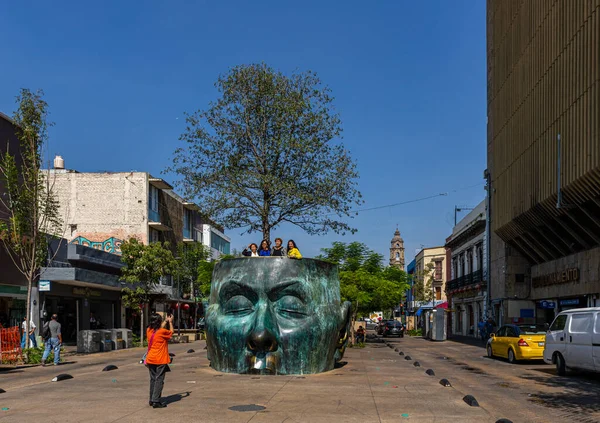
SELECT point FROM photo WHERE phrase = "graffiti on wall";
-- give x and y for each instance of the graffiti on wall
(110, 245)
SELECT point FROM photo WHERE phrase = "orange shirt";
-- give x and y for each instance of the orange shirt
(159, 350)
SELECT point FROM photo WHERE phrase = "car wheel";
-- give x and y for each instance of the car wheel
(511, 356)
(561, 368)
(490, 352)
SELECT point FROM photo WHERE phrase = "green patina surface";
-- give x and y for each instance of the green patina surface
(276, 316)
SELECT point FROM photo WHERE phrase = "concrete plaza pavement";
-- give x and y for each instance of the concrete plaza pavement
(376, 385)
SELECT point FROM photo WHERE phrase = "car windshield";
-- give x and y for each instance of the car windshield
(395, 324)
(532, 329)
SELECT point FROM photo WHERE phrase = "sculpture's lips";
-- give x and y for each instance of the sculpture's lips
(263, 363)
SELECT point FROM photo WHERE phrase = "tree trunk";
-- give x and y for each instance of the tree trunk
(266, 231)
(28, 311)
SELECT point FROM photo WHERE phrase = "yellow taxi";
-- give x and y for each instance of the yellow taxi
(518, 342)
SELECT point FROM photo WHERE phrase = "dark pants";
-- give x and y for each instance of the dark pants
(157, 380)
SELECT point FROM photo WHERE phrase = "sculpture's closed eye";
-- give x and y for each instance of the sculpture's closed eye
(238, 305)
(291, 306)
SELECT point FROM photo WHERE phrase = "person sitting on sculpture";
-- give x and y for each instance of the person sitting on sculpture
(265, 249)
(293, 251)
(251, 251)
(278, 250)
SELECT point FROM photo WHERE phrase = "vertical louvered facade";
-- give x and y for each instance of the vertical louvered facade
(544, 81)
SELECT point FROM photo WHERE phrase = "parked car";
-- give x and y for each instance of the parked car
(573, 340)
(393, 328)
(370, 325)
(380, 327)
(517, 342)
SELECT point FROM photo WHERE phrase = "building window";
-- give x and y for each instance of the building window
(154, 235)
(438, 293)
(438, 270)
(153, 204)
(397, 256)
(454, 268)
(187, 223)
(479, 257)
(397, 245)
(219, 244)
(469, 262)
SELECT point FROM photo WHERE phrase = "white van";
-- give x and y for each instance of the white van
(573, 340)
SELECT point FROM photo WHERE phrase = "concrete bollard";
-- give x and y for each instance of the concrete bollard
(62, 376)
(470, 399)
(109, 368)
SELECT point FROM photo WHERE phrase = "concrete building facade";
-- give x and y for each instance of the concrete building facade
(437, 257)
(543, 157)
(101, 210)
(467, 285)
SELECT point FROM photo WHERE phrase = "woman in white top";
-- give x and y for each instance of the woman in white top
(253, 252)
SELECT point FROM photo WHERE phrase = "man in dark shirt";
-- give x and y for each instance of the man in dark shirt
(54, 342)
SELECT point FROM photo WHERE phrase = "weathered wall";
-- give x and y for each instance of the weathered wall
(98, 206)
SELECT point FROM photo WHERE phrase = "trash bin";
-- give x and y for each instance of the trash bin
(116, 337)
(105, 340)
(88, 341)
(126, 337)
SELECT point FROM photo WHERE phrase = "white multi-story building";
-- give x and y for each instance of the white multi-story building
(467, 288)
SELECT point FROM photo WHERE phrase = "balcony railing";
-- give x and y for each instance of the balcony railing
(466, 281)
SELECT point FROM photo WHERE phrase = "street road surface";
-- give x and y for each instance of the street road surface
(376, 385)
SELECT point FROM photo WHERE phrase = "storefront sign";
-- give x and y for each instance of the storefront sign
(546, 304)
(44, 286)
(569, 275)
(86, 292)
(574, 301)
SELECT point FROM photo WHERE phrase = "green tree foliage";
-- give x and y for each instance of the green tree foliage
(264, 153)
(145, 265)
(29, 212)
(363, 280)
(422, 287)
(188, 269)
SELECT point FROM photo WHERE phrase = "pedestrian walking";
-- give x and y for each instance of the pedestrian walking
(157, 358)
(31, 334)
(54, 342)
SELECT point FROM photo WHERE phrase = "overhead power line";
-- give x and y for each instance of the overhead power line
(416, 200)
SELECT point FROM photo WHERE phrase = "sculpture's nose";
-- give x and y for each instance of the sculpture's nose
(262, 338)
(262, 341)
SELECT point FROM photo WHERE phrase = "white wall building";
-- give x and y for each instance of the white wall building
(467, 288)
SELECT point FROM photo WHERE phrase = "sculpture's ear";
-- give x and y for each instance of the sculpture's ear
(346, 313)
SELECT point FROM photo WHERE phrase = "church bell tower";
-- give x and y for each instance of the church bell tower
(397, 251)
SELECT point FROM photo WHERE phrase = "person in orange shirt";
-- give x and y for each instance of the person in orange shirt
(157, 358)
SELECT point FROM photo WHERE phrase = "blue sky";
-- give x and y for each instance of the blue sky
(409, 78)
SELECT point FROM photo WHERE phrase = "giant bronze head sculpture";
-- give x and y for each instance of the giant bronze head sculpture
(275, 316)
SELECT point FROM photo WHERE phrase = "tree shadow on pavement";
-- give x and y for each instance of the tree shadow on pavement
(175, 397)
(580, 392)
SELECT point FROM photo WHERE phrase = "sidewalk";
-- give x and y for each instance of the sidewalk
(374, 385)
